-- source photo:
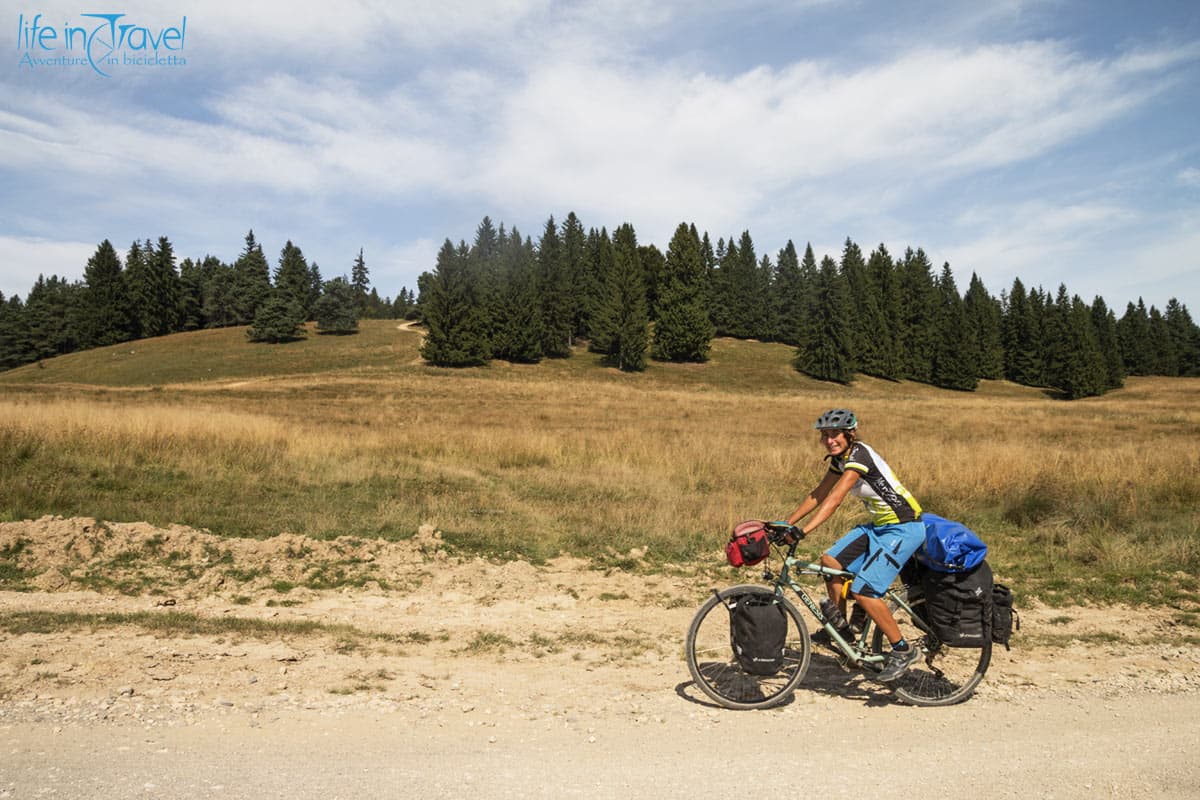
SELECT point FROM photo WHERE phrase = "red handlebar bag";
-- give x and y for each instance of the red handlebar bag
(748, 544)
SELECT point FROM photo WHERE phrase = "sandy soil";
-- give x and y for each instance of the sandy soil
(434, 676)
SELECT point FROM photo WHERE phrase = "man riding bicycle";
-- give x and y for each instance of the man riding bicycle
(875, 551)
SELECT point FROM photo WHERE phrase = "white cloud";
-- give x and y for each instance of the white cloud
(1095, 248)
(529, 107)
(25, 258)
(662, 146)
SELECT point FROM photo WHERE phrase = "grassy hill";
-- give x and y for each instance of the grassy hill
(354, 435)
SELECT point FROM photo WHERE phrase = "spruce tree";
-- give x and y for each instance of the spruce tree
(1133, 333)
(767, 321)
(360, 280)
(620, 324)
(375, 306)
(11, 324)
(1073, 363)
(191, 298)
(15, 345)
(1022, 358)
(869, 337)
(456, 336)
(809, 333)
(49, 317)
(1091, 377)
(1104, 324)
(139, 282)
(251, 284)
(984, 318)
(789, 295)
(653, 265)
(279, 319)
(336, 310)
(517, 319)
(1164, 360)
(825, 353)
(1056, 340)
(885, 283)
(221, 301)
(485, 276)
(104, 309)
(293, 278)
(168, 291)
(554, 294)
(315, 284)
(683, 331)
(1185, 338)
(720, 283)
(918, 298)
(597, 266)
(955, 352)
(574, 256)
(745, 283)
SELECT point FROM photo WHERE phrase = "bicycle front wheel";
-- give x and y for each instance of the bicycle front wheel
(945, 675)
(717, 672)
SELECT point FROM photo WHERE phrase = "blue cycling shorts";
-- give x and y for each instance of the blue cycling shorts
(875, 553)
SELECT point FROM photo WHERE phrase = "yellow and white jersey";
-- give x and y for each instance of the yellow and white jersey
(885, 497)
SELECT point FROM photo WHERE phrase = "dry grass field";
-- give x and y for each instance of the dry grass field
(1093, 499)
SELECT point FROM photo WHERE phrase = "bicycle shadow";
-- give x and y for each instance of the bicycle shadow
(825, 676)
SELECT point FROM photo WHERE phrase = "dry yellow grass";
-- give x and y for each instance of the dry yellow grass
(570, 457)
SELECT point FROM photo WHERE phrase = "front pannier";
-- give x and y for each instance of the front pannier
(757, 632)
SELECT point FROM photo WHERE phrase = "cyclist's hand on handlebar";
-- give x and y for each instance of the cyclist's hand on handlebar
(784, 532)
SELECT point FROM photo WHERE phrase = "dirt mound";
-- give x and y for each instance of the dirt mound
(57, 554)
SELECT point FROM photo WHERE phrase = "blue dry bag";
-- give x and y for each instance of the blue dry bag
(950, 546)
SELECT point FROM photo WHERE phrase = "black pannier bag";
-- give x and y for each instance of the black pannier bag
(1005, 618)
(757, 632)
(958, 605)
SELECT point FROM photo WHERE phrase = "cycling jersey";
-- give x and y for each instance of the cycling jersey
(886, 499)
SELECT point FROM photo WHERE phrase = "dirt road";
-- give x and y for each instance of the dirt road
(467, 678)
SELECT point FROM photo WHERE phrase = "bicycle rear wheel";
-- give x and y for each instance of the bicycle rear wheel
(716, 671)
(945, 675)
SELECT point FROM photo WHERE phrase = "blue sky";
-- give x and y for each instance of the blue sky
(1052, 141)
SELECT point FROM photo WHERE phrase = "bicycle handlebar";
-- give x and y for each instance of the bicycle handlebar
(783, 533)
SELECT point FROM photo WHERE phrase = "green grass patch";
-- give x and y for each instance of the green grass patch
(223, 354)
(175, 623)
(489, 641)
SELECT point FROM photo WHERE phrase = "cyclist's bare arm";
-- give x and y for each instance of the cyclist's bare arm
(825, 499)
(814, 498)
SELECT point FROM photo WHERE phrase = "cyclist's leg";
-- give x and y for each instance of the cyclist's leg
(847, 553)
(888, 548)
(880, 614)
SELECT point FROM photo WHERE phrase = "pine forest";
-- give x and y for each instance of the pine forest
(506, 296)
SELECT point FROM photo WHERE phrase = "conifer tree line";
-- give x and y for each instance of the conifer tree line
(148, 294)
(505, 296)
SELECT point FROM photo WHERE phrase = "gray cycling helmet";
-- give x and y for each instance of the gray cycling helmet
(838, 418)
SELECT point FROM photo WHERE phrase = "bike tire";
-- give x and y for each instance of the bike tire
(717, 673)
(945, 675)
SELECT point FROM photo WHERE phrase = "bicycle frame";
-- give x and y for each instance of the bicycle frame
(856, 653)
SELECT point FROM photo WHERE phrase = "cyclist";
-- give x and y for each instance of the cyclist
(874, 551)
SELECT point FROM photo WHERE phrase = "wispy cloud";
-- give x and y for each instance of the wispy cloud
(24, 259)
(318, 121)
